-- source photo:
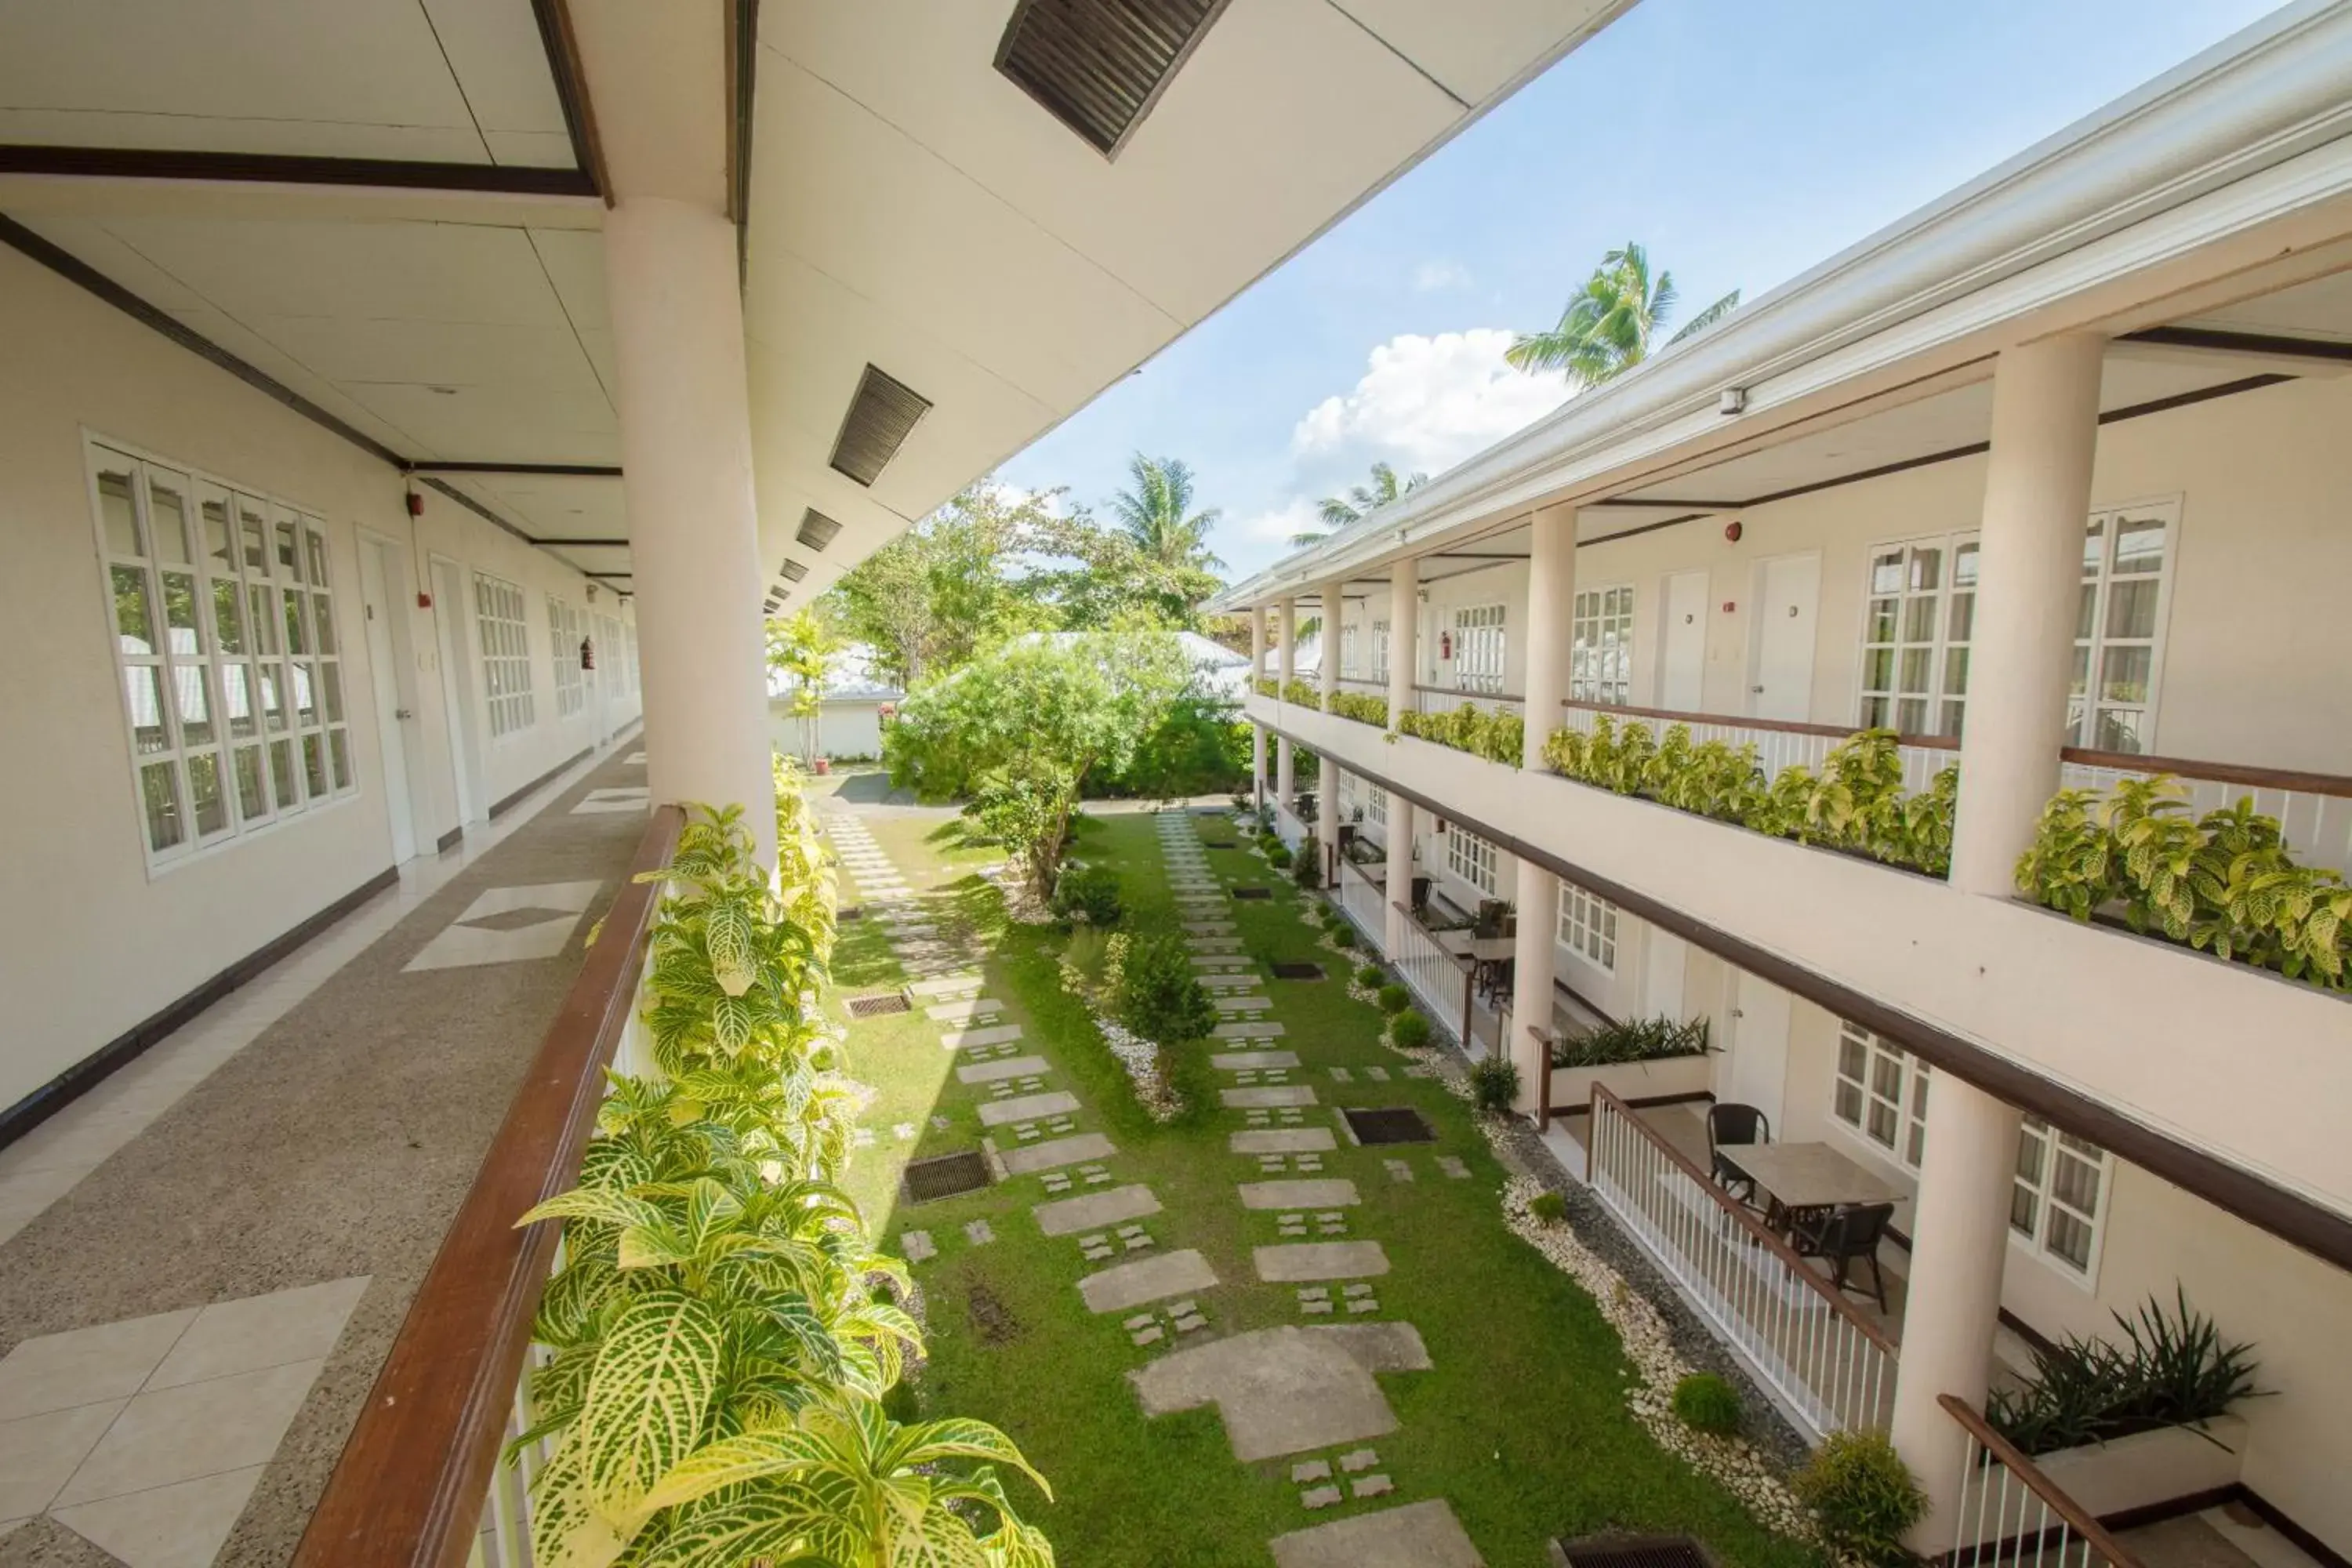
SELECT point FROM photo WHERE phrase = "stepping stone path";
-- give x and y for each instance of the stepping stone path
(1310, 1260)
(1057, 1153)
(1418, 1535)
(1127, 1285)
(1002, 1069)
(1027, 1107)
(1452, 1165)
(1287, 1390)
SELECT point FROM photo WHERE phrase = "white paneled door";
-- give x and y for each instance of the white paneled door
(391, 718)
(1787, 604)
(449, 596)
(1759, 1045)
(1682, 643)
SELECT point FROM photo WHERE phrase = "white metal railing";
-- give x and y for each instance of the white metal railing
(1287, 827)
(1440, 980)
(2315, 822)
(1832, 1367)
(1360, 897)
(2009, 1511)
(1777, 746)
(1446, 699)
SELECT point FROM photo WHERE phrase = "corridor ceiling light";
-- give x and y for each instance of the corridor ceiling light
(1099, 66)
(880, 418)
(817, 531)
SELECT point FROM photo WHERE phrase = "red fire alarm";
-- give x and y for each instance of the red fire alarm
(423, 601)
(1732, 530)
(415, 504)
(1728, 607)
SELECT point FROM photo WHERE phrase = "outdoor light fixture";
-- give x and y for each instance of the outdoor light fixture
(1733, 401)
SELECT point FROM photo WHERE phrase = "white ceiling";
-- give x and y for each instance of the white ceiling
(2320, 308)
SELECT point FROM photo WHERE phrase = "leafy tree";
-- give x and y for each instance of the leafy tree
(1338, 512)
(1156, 993)
(1608, 327)
(947, 587)
(799, 648)
(1157, 514)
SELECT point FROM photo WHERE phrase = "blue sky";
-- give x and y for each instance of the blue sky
(1742, 141)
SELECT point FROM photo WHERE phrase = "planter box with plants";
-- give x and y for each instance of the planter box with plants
(1641, 1059)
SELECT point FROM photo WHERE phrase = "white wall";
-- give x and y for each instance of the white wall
(90, 942)
(844, 729)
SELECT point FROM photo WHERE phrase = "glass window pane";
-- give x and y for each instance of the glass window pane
(2124, 674)
(1911, 716)
(252, 793)
(2086, 615)
(207, 801)
(237, 698)
(220, 539)
(273, 693)
(193, 704)
(1964, 565)
(306, 694)
(229, 617)
(2075, 1184)
(316, 542)
(118, 513)
(159, 795)
(281, 775)
(134, 616)
(2131, 608)
(1955, 672)
(1881, 1123)
(331, 690)
(167, 523)
(2082, 671)
(2095, 547)
(1874, 712)
(1962, 625)
(2140, 546)
(289, 564)
(142, 692)
(2030, 1151)
(2070, 1238)
(297, 640)
(1887, 573)
(1878, 669)
(256, 530)
(322, 619)
(339, 751)
(2119, 730)
(314, 765)
(1916, 663)
(1849, 1103)
(264, 620)
(1926, 569)
(180, 614)
(1880, 626)
(1919, 620)
(2024, 1210)
(1955, 717)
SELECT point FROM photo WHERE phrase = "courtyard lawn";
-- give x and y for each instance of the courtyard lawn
(1520, 1423)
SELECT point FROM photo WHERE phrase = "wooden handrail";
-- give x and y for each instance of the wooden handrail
(2093, 1534)
(1777, 726)
(1469, 696)
(1755, 1228)
(409, 1490)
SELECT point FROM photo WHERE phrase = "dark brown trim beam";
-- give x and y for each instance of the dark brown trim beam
(2221, 341)
(572, 470)
(562, 46)
(2288, 1216)
(285, 169)
(742, 88)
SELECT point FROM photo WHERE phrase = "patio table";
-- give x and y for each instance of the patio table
(1805, 1178)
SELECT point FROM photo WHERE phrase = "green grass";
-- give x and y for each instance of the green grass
(1521, 1424)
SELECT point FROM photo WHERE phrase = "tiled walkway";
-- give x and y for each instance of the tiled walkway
(203, 1261)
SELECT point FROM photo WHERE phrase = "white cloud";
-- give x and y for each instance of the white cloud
(1426, 403)
(1294, 516)
(1430, 277)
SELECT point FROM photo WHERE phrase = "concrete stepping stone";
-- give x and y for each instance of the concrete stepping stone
(1397, 1170)
(985, 1038)
(1248, 1029)
(1252, 1061)
(1304, 1260)
(978, 1233)
(1341, 1075)
(964, 1011)
(1267, 1095)
(1328, 1193)
(1321, 1497)
(1096, 1210)
(1418, 1535)
(1150, 1336)
(918, 1245)
(1291, 1390)
(1377, 1075)
(1362, 1460)
(1057, 1153)
(1453, 1166)
(1208, 928)
(1026, 1108)
(1003, 1068)
(1191, 1322)
(1244, 1004)
(1420, 1069)
(1313, 1471)
(1281, 1141)
(1231, 980)
(945, 985)
(1125, 1285)
(1371, 1486)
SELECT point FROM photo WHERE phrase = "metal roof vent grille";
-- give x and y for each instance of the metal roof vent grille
(880, 418)
(817, 531)
(1099, 66)
(793, 570)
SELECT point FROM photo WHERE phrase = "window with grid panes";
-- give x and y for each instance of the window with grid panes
(1882, 1093)
(1347, 650)
(1588, 924)
(224, 630)
(1470, 857)
(505, 655)
(1915, 632)
(1601, 652)
(1376, 805)
(1379, 650)
(1479, 649)
(2118, 635)
(570, 684)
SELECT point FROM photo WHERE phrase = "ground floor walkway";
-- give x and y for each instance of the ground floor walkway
(1283, 1322)
(206, 1257)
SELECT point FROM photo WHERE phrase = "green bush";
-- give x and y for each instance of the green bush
(1494, 1083)
(1088, 893)
(1307, 869)
(1394, 998)
(1549, 1207)
(1278, 857)
(1410, 1030)
(1362, 707)
(1498, 736)
(1632, 1040)
(2173, 1369)
(1154, 992)
(1864, 1497)
(1705, 1403)
(1368, 976)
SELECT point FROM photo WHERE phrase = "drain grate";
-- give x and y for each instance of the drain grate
(875, 1007)
(1392, 1125)
(1219, 844)
(945, 1175)
(1298, 972)
(1631, 1551)
(1252, 892)
(848, 912)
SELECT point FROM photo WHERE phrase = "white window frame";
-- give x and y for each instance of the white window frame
(1348, 649)
(1601, 646)
(565, 631)
(1893, 1087)
(1479, 649)
(1588, 925)
(2093, 642)
(1376, 805)
(1917, 625)
(502, 633)
(1380, 644)
(1470, 857)
(286, 622)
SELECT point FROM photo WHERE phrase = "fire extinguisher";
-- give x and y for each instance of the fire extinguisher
(1445, 644)
(587, 654)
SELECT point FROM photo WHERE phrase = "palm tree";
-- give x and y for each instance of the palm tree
(1157, 514)
(1610, 324)
(1338, 512)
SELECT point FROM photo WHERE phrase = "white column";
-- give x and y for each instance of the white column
(1551, 599)
(1285, 780)
(2045, 406)
(1286, 634)
(1257, 644)
(1399, 892)
(1327, 669)
(1327, 684)
(1257, 768)
(1404, 587)
(677, 310)
(1959, 1241)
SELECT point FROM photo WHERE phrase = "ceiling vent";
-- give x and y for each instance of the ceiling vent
(881, 416)
(793, 570)
(1099, 66)
(817, 531)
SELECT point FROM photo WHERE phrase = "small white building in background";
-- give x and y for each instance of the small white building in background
(850, 713)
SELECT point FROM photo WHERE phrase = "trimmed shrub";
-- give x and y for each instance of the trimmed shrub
(1494, 1083)
(1864, 1497)
(1549, 1207)
(1705, 1403)
(1278, 857)
(1154, 992)
(1308, 870)
(1343, 935)
(1394, 998)
(1368, 974)
(1088, 893)
(1410, 1030)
